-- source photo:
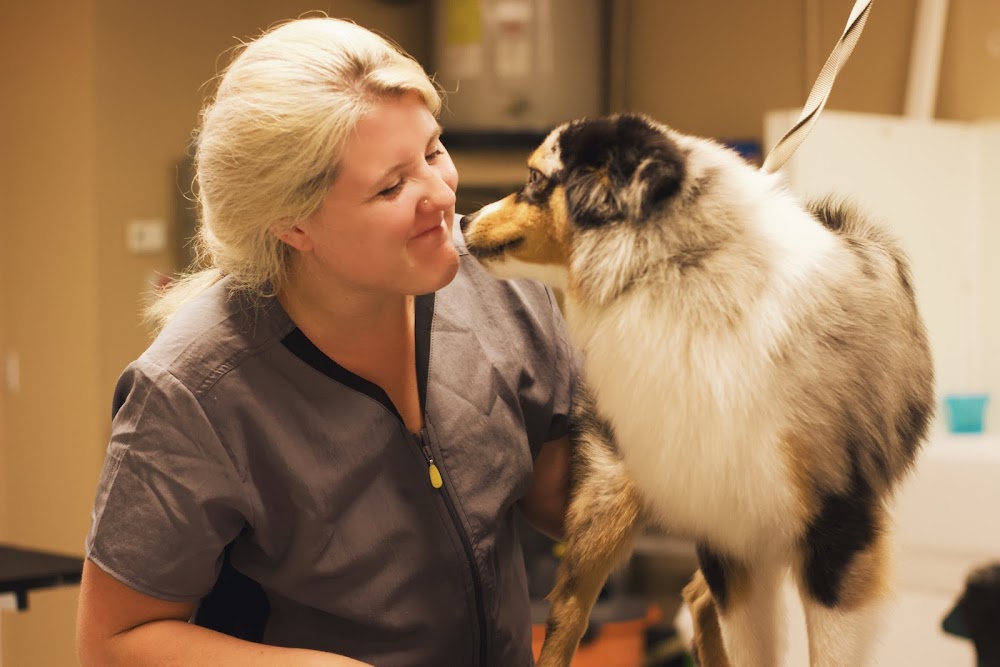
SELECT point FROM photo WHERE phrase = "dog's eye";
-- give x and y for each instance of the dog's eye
(535, 177)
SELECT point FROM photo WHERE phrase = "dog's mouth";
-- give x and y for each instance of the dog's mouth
(490, 252)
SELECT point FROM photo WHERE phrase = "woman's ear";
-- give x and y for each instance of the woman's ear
(295, 235)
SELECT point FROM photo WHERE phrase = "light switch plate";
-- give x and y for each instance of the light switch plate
(146, 236)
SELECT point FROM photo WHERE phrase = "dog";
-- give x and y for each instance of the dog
(757, 379)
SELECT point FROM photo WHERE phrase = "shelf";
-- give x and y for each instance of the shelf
(495, 169)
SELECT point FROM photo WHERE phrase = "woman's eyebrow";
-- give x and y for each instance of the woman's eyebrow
(438, 131)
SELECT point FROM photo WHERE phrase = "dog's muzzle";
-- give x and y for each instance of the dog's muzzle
(467, 220)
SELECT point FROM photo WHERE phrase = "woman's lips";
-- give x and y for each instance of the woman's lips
(429, 230)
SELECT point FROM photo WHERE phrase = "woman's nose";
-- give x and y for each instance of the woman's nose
(440, 196)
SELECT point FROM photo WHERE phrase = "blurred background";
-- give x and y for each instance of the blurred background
(98, 99)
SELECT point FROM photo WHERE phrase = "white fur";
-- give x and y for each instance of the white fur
(703, 446)
(754, 633)
(550, 274)
(842, 638)
(548, 156)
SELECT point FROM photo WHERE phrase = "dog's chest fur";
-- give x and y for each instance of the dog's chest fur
(694, 397)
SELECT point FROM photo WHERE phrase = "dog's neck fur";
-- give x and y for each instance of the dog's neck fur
(723, 242)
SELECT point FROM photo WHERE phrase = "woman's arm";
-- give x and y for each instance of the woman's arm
(117, 625)
(544, 506)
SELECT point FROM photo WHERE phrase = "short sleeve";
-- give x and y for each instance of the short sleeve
(170, 497)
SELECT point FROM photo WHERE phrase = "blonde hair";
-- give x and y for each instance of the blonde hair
(269, 144)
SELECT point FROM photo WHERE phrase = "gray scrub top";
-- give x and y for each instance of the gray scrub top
(236, 443)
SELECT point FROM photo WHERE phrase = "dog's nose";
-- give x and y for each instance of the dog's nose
(466, 220)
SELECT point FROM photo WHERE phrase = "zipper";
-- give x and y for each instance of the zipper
(432, 469)
(437, 482)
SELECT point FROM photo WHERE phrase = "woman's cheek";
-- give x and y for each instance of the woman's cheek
(448, 172)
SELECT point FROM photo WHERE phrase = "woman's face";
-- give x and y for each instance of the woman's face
(385, 224)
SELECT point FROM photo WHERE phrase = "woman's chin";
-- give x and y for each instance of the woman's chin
(436, 271)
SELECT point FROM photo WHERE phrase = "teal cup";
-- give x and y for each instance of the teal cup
(966, 412)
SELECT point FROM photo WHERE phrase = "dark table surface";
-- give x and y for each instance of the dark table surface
(23, 569)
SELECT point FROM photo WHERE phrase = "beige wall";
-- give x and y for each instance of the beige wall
(97, 101)
(713, 67)
(6, 169)
(50, 293)
(970, 67)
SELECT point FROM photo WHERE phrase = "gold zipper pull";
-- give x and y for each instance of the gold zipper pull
(432, 470)
(435, 474)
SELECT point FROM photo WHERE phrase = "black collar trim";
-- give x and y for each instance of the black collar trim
(303, 348)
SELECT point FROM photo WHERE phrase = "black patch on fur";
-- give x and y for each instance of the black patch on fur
(714, 570)
(551, 625)
(587, 420)
(836, 216)
(831, 215)
(912, 424)
(692, 258)
(608, 159)
(844, 527)
(879, 457)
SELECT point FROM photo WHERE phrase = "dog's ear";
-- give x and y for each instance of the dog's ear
(618, 168)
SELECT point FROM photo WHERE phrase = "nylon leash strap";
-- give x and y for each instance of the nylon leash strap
(821, 89)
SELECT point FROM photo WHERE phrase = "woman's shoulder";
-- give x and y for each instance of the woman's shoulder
(215, 332)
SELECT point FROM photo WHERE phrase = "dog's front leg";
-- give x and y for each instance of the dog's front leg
(600, 523)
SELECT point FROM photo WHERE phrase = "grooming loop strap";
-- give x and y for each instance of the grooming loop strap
(821, 89)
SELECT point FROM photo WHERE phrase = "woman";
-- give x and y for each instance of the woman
(318, 458)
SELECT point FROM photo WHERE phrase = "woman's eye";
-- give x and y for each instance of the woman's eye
(392, 191)
(433, 155)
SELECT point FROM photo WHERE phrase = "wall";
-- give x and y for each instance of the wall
(6, 174)
(49, 285)
(989, 246)
(6, 168)
(970, 64)
(714, 67)
(756, 56)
